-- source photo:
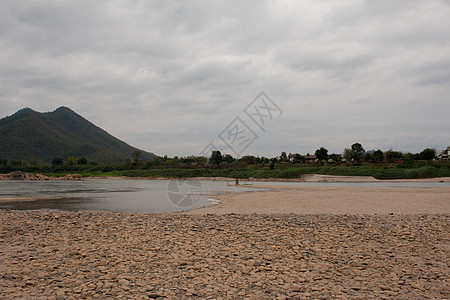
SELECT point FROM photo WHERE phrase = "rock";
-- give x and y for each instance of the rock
(120, 255)
(75, 177)
(18, 175)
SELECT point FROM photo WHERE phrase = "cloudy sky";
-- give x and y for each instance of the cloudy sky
(170, 76)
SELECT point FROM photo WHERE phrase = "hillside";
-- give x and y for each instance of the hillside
(31, 135)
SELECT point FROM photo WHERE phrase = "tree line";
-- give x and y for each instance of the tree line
(354, 155)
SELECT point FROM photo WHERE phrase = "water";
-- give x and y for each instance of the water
(124, 195)
(144, 196)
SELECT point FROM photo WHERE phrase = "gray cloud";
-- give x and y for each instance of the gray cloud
(168, 76)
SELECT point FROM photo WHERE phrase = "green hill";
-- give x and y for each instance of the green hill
(31, 135)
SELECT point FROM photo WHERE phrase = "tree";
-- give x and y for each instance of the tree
(228, 158)
(393, 156)
(428, 154)
(368, 157)
(408, 157)
(34, 162)
(358, 151)
(355, 153)
(81, 161)
(337, 158)
(70, 161)
(248, 159)
(272, 163)
(216, 158)
(136, 155)
(15, 163)
(348, 156)
(298, 158)
(57, 161)
(321, 154)
(378, 156)
(283, 157)
(127, 164)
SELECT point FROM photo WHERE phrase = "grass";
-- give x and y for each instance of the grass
(401, 171)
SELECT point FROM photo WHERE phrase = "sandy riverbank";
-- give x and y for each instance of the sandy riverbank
(332, 200)
(321, 178)
(304, 178)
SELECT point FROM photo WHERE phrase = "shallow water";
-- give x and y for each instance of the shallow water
(125, 195)
(143, 196)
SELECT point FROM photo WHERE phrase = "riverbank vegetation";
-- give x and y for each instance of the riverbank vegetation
(355, 161)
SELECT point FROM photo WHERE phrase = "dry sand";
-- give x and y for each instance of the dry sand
(298, 242)
(333, 200)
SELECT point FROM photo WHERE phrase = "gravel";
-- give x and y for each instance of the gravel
(78, 255)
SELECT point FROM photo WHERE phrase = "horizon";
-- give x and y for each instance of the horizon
(438, 151)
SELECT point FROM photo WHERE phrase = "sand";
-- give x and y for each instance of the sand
(333, 200)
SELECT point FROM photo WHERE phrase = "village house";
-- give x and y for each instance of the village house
(444, 154)
(311, 159)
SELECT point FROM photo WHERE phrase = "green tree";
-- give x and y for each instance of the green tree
(408, 157)
(358, 151)
(216, 158)
(273, 161)
(127, 164)
(228, 158)
(15, 163)
(70, 161)
(136, 155)
(57, 161)
(81, 161)
(393, 156)
(248, 159)
(298, 158)
(354, 154)
(378, 156)
(348, 155)
(368, 157)
(283, 157)
(337, 158)
(321, 154)
(428, 154)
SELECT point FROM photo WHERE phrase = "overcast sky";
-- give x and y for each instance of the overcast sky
(170, 76)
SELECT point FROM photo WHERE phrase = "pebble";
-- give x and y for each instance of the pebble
(79, 255)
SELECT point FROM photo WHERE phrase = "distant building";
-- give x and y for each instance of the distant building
(444, 154)
(311, 159)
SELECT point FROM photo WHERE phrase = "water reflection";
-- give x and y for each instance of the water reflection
(124, 195)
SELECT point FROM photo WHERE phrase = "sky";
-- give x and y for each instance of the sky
(172, 77)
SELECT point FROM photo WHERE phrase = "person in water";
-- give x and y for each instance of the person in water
(237, 181)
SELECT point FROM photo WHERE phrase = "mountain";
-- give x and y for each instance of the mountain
(31, 135)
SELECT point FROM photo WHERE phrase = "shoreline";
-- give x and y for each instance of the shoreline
(305, 178)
